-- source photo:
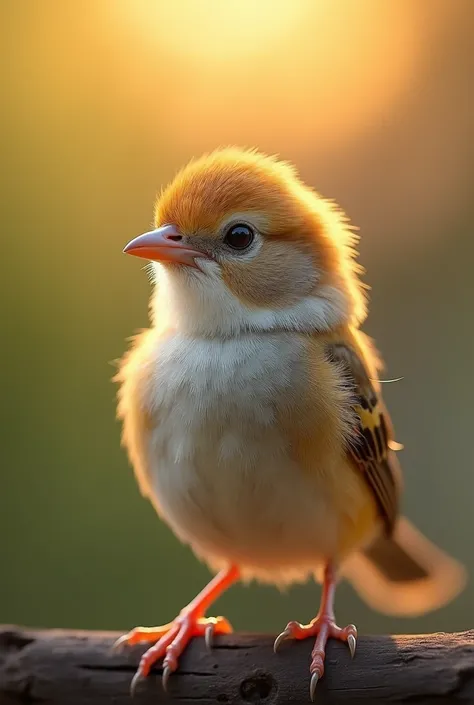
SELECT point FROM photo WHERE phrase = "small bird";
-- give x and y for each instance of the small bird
(252, 412)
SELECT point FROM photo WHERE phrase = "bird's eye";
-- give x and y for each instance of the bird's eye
(239, 236)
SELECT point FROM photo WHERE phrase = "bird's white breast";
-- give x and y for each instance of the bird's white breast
(220, 467)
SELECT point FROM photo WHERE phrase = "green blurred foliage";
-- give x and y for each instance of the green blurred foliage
(85, 154)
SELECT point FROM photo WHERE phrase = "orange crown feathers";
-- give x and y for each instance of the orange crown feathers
(232, 180)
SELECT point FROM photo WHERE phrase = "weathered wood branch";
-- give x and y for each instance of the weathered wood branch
(75, 668)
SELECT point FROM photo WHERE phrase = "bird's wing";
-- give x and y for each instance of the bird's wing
(371, 445)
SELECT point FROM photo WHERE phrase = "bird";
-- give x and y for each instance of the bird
(252, 411)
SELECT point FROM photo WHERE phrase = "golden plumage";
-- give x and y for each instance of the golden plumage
(232, 181)
(250, 409)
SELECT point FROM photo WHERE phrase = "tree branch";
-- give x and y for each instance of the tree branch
(75, 668)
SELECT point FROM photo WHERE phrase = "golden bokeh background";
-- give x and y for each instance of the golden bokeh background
(102, 102)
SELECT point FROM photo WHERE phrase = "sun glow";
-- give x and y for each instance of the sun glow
(218, 30)
(231, 71)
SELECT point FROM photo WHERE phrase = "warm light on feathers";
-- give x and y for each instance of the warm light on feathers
(210, 189)
(249, 408)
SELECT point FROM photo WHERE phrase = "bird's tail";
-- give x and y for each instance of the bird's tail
(405, 574)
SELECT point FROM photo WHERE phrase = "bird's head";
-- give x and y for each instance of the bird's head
(242, 244)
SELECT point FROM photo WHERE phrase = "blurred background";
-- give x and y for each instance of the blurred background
(102, 102)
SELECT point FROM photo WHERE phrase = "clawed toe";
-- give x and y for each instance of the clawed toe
(171, 640)
(352, 643)
(167, 671)
(135, 681)
(312, 686)
(284, 636)
(323, 628)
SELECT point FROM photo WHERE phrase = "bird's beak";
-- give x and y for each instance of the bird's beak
(164, 244)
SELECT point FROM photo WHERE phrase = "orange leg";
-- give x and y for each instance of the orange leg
(171, 639)
(322, 627)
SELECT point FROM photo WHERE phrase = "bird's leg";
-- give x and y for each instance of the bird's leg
(171, 639)
(322, 627)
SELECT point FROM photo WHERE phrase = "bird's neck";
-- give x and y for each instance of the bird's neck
(201, 308)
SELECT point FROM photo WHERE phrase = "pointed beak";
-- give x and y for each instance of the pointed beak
(164, 244)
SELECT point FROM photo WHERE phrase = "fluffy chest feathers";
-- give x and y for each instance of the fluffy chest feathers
(208, 390)
(237, 455)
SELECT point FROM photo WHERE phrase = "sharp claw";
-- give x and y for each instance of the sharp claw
(286, 634)
(133, 685)
(165, 677)
(352, 643)
(118, 645)
(312, 686)
(209, 636)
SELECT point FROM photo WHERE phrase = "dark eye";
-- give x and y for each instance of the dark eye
(239, 236)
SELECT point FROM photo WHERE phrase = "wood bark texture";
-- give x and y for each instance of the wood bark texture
(55, 667)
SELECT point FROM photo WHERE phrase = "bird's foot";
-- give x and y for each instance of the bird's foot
(170, 641)
(324, 627)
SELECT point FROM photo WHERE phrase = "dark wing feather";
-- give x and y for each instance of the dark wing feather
(370, 447)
